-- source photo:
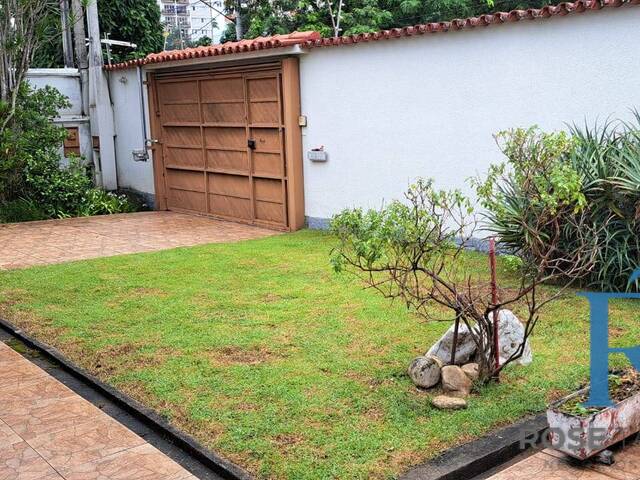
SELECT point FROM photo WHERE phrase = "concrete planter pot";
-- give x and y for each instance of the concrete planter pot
(584, 437)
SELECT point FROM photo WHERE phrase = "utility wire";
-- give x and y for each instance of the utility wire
(216, 10)
(207, 24)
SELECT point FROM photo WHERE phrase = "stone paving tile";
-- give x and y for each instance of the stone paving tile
(622, 469)
(7, 436)
(20, 462)
(55, 241)
(50, 417)
(73, 447)
(18, 372)
(550, 464)
(28, 395)
(546, 467)
(48, 432)
(139, 463)
(628, 460)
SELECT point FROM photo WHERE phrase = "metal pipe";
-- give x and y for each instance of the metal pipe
(80, 44)
(67, 43)
(494, 300)
(454, 345)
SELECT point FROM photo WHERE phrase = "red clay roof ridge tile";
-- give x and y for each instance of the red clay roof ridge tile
(249, 45)
(497, 18)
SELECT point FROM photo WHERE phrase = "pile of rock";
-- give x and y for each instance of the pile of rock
(434, 367)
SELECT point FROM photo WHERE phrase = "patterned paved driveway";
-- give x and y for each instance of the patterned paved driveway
(56, 241)
(549, 464)
(48, 432)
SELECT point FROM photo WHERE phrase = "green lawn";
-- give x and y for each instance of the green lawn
(265, 355)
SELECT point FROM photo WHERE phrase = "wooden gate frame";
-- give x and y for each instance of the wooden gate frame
(292, 144)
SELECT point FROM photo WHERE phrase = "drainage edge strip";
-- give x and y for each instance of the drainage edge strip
(151, 419)
(479, 456)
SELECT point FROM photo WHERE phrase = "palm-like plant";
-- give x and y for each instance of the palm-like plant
(605, 158)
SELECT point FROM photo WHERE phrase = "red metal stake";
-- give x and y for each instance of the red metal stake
(494, 299)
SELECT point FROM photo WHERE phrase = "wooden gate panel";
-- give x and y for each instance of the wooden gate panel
(268, 199)
(226, 160)
(230, 196)
(186, 190)
(267, 164)
(182, 135)
(171, 92)
(185, 200)
(223, 151)
(183, 158)
(226, 138)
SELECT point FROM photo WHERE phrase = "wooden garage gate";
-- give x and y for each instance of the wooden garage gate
(230, 143)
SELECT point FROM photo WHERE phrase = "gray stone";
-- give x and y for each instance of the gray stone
(471, 370)
(465, 349)
(455, 381)
(510, 337)
(444, 402)
(425, 372)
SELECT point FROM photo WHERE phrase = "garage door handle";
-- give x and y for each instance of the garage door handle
(251, 144)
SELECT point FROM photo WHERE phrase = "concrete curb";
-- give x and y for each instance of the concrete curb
(476, 457)
(147, 416)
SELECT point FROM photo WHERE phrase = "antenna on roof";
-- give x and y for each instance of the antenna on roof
(108, 42)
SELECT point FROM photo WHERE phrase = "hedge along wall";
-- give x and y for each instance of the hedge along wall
(67, 82)
(392, 110)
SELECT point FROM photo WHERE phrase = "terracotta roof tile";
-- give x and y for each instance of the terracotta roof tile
(313, 39)
(260, 43)
(480, 21)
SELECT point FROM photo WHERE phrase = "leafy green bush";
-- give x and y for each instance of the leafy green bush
(32, 183)
(21, 210)
(566, 189)
(30, 137)
(99, 202)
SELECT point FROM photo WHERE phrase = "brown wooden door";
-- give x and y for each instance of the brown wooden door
(222, 138)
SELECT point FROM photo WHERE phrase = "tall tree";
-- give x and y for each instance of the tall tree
(136, 21)
(23, 26)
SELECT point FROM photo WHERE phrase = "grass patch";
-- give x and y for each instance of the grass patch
(265, 355)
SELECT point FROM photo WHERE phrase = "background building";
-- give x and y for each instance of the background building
(191, 20)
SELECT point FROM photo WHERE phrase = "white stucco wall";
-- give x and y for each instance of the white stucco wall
(129, 130)
(67, 82)
(390, 111)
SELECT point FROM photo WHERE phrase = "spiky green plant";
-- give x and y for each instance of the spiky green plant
(605, 159)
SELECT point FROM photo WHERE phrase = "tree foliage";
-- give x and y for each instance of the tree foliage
(136, 21)
(23, 28)
(268, 17)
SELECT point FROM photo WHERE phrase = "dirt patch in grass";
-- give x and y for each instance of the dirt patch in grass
(129, 356)
(11, 297)
(137, 294)
(177, 414)
(234, 355)
(286, 441)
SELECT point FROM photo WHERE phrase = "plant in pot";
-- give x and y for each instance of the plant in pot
(583, 432)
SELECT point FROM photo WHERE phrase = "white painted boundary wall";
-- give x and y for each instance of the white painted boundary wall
(390, 111)
(130, 131)
(67, 82)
